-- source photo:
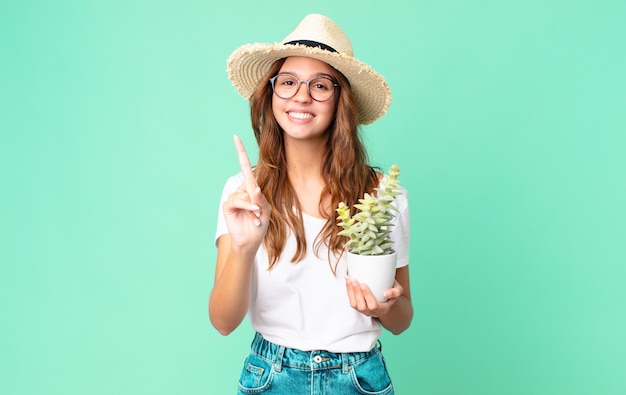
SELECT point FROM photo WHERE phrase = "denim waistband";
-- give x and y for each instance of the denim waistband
(309, 360)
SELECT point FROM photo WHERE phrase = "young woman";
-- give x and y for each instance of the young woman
(280, 259)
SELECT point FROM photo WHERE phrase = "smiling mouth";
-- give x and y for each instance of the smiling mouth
(300, 115)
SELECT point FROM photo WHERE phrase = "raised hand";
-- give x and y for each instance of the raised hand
(247, 212)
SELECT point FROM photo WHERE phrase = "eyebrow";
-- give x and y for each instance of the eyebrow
(316, 75)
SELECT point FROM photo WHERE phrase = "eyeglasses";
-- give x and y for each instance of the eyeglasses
(319, 88)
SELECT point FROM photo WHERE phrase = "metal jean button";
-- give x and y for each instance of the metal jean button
(317, 359)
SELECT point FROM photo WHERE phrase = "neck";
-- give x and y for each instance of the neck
(304, 158)
(304, 169)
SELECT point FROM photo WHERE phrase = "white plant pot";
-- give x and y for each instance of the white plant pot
(378, 272)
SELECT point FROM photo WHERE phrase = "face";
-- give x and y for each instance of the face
(300, 116)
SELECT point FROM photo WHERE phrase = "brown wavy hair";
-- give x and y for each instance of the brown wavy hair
(345, 169)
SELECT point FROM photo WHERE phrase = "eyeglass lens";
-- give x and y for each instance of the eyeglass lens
(320, 88)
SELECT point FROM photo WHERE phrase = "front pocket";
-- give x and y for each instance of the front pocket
(256, 375)
(370, 376)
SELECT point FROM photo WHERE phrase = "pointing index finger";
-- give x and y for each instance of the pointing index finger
(244, 162)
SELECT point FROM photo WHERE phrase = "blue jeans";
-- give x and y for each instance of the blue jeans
(273, 369)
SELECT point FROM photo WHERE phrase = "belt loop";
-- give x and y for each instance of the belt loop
(278, 363)
(379, 344)
(344, 363)
(257, 341)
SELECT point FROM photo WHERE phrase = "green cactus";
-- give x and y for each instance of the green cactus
(368, 230)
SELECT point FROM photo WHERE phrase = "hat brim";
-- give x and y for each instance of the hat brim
(248, 64)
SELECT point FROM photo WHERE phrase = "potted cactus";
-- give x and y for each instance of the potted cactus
(370, 256)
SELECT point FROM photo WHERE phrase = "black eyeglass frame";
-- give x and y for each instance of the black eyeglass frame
(308, 88)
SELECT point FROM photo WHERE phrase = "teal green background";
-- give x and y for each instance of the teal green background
(508, 122)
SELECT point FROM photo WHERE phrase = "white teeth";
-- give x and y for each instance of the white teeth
(301, 115)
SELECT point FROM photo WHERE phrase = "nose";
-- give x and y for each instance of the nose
(302, 94)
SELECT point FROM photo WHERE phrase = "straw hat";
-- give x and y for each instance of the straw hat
(316, 37)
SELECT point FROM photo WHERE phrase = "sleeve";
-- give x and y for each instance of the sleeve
(231, 186)
(401, 232)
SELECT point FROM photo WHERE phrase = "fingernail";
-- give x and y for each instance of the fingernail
(257, 222)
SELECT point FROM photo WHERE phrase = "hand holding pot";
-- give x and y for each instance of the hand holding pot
(362, 299)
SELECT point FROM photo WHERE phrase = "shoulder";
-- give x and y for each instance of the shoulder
(236, 178)
(402, 200)
(232, 183)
